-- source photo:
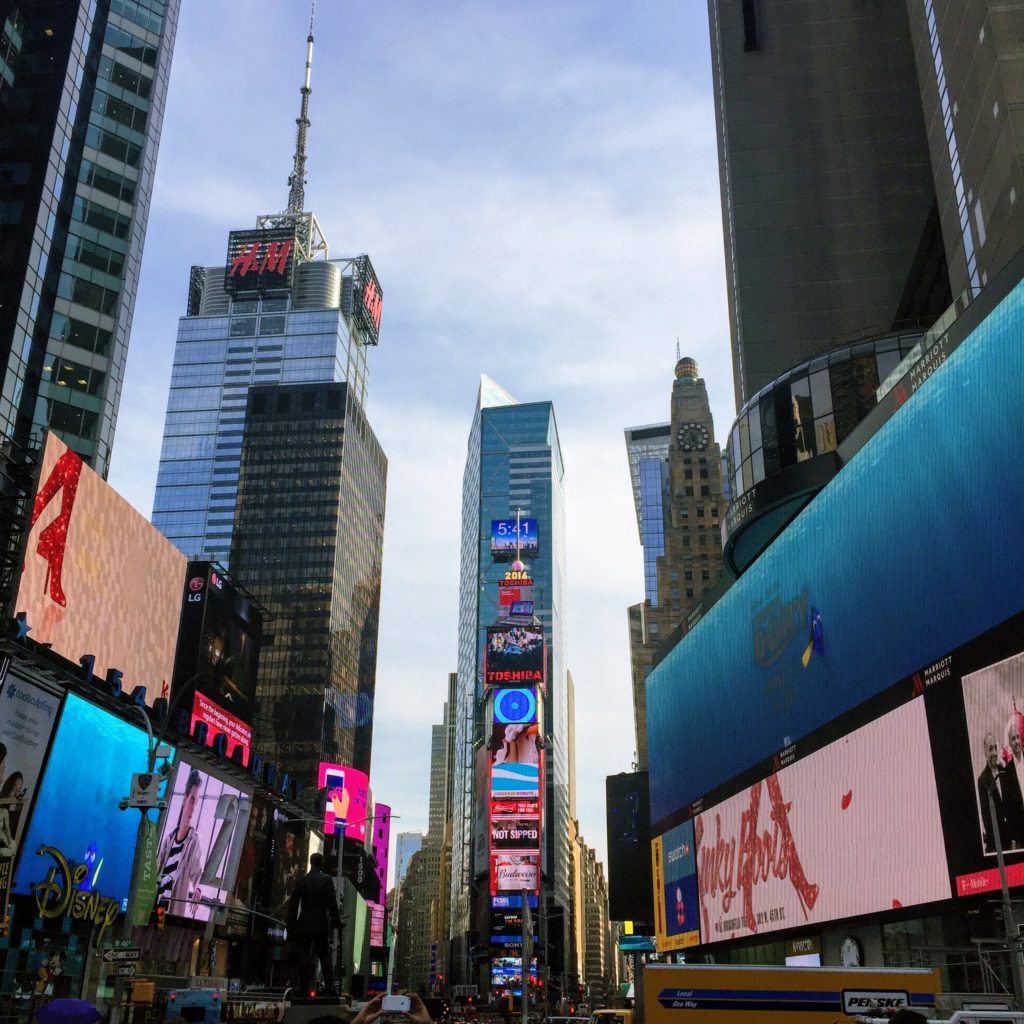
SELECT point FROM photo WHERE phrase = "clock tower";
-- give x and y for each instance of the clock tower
(693, 503)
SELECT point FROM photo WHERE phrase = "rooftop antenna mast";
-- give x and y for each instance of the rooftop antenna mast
(297, 179)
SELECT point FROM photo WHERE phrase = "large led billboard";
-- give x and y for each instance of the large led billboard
(674, 870)
(874, 544)
(515, 872)
(89, 770)
(514, 655)
(260, 261)
(201, 842)
(515, 762)
(99, 578)
(381, 827)
(28, 715)
(515, 706)
(218, 645)
(511, 538)
(629, 847)
(807, 844)
(348, 798)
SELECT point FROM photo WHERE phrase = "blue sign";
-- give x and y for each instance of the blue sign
(509, 537)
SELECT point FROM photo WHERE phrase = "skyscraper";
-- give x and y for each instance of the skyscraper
(681, 505)
(279, 310)
(513, 469)
(828, 205)
(308, 536)
(82, 89)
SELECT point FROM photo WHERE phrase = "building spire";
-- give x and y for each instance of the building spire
(297, 179)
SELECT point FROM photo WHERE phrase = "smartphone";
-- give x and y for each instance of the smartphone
(395, 1004)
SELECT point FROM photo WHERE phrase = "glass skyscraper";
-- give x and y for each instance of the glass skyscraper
(308, 539)
(514, 463)
(82, 89)
(227, 343)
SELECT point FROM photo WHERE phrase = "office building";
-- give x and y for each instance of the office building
(442, 760)
(828, 204)
(278, 310)
(406, 845)
(681, 505)
(513, 471)
(308, 536)
(82, 91)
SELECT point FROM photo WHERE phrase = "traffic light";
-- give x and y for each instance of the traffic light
(161, 913)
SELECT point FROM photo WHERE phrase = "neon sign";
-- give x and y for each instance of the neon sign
(60, 894)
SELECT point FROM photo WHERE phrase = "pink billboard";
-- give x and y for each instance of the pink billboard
(99, 578)
(348, 798)
(805, 845)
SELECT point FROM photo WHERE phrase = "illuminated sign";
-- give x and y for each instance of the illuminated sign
(259, 261)
(65, 892)
(515, 834)
(515, 706)
(788, 851)
(677, 924)
(88, 549)
(509, 538)
(524, 608)
(348, 798)
(201, 844)
(515, 872)
(514, 654)
(218, 721)
(369, 300)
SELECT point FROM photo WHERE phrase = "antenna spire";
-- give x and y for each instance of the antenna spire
(297, 179)
(679, 355)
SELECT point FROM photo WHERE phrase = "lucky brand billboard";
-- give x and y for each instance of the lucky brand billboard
(806, 844)
(88, 551)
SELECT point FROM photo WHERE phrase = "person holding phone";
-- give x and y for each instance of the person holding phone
(389, 1007)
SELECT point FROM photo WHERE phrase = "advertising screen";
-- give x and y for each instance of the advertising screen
(217, 721)
(508, 539)
(629, 847)
(254, 876)
(369, 300)
(259, 261)
(514, 872)
(201, 843)
(677, 919)
(515, 762)
(218, 646)
(513, 592)
(740, 671)
(381, 825)
(348, 798)
(514, 654)
(974, 695)
(288, 859)
(792, 850)
(88, 549)
(89, 770)
(28, 715)
(515, 833)
(518, 706)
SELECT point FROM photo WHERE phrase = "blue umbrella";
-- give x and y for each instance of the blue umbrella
(68, 1011)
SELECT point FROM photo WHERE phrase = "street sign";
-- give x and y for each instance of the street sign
(126, 970)
(111, 956)
(146, 790)
(123, 943)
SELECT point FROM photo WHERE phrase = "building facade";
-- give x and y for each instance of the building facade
(829, 213)
(681, 504)
(82, 92)
(513, 465)
(308, 535)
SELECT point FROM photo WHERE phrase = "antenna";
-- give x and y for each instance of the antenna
(297, 179)
(679, 354)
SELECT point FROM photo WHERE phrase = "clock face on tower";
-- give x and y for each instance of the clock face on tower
(692, 437)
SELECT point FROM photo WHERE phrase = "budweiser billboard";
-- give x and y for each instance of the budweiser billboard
(514, 872)
(798, 847)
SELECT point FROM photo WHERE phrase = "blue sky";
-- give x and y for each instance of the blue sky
(537, 186)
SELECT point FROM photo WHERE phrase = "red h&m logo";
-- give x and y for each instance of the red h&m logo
(274, 259)
(373, 301)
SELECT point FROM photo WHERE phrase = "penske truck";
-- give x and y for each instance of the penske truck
(728, 994)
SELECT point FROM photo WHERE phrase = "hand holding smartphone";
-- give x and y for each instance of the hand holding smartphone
(395, 1004)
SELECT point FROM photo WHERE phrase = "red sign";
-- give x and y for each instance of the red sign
(259, 261)
(218, 720)
(260, 258)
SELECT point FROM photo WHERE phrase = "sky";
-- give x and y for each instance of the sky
(536, 183)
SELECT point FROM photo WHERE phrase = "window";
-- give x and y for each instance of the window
(245, 327)
(687, 474)
(705, 491)
(689, 592)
